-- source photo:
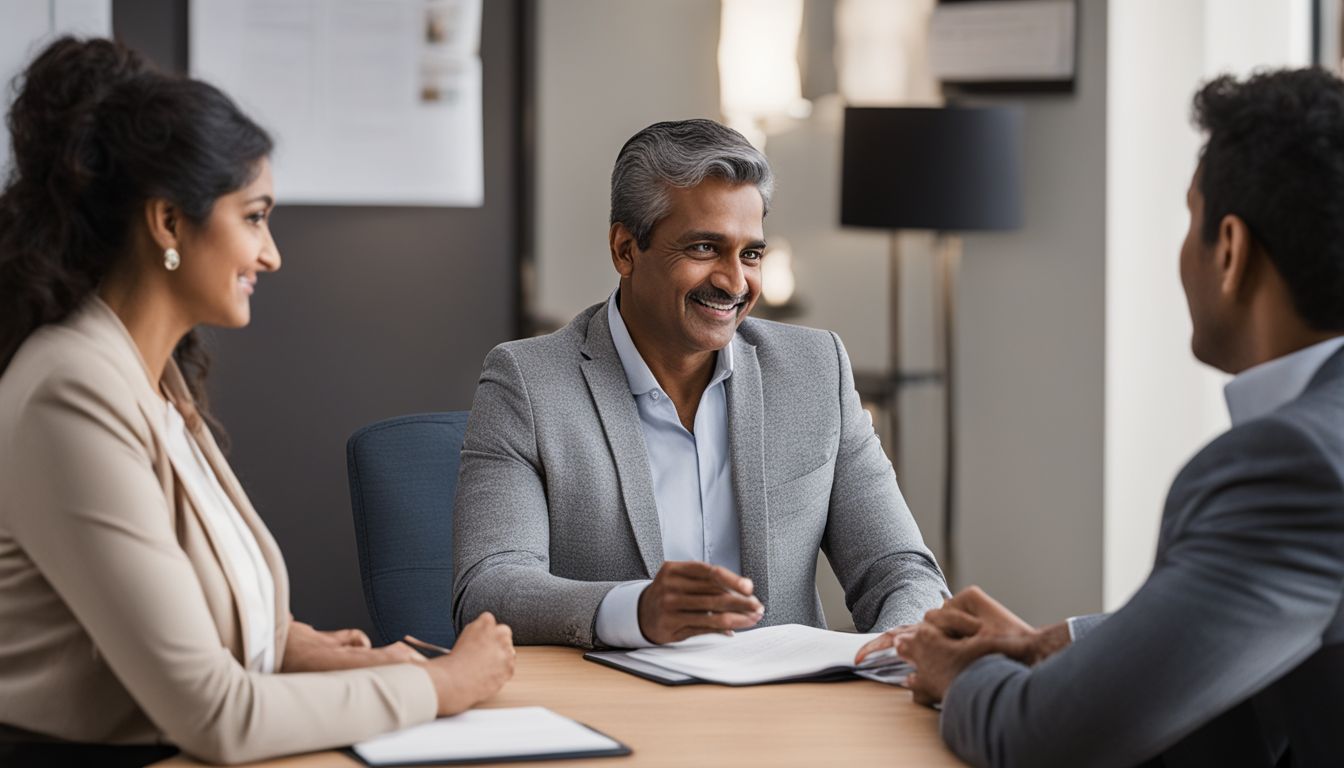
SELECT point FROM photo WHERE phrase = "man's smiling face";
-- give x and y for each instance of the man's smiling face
(701, 274)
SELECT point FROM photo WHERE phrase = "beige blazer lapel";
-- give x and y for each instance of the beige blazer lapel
(270, 550)
(616, 408)
(98, 319)
(746, 446)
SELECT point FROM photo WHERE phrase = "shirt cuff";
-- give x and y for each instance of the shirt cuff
(618, 616)
(1069, 622)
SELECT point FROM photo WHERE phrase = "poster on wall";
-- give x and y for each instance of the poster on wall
(371, 102)
(27, 26)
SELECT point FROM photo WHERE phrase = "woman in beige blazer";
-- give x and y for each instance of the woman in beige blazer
(129, 602)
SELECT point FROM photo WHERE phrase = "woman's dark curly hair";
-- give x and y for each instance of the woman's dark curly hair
(1275, 158)
(96, 132)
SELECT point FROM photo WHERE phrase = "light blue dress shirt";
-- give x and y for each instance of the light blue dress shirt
(692, 481)
(1257, 391)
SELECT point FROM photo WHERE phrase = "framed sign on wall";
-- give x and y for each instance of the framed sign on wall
(1005, 45)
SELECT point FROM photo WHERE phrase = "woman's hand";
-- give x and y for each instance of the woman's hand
(312, 650)
(480, 664)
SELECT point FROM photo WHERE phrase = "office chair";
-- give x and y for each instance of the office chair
(403, 478)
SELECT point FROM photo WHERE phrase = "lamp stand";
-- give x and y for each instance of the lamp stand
(895, 452)
(948, 247)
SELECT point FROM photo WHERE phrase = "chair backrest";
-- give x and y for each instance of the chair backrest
(403, 478)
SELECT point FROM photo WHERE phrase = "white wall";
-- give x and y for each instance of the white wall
(1161, 405)
(28, 25)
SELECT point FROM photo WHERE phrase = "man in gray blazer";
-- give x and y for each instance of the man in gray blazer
(1232, 652)
(664, 466)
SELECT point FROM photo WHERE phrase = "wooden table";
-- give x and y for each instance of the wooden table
(854, 722)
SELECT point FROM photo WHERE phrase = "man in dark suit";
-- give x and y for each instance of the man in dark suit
(1232, 651)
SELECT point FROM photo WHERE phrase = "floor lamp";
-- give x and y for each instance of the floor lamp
(950, 170)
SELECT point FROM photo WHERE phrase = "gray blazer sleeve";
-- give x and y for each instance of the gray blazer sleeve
(1238, 598)
(501, 526)
(889, 576)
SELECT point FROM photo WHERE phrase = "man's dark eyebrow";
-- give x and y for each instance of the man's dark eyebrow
(699, 235)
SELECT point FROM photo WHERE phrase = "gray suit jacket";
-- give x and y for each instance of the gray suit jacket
(1233, 649)
(555, 500)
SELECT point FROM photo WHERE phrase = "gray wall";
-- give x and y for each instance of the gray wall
(605, 69)
(376, 312)
(1031, 329)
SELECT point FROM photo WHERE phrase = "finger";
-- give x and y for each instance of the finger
(716, 574)
(353, 638)
(485, 620)
(884, 640)
(953, 622)
(684, 625)
(729, 580)
(715, 622)
(971, 599)
(686, 586)
(1017, 647)
(723, 602)
(403, 653)
(908, 648)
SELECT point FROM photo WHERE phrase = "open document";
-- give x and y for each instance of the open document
(789, 652)
(490, 735)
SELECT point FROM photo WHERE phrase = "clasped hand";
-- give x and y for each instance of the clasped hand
(968, 626)
(692, 598)
(313, 650)
(482, 659)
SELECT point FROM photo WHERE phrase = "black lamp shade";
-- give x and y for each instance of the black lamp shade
(949, 169)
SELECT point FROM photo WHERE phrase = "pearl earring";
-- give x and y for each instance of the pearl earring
(171, 259)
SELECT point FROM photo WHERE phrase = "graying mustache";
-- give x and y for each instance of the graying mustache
(716, 296)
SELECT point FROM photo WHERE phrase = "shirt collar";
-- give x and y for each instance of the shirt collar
(1257, 391)
(637, 372)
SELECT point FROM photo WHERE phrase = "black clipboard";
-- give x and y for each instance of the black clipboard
(621, 660)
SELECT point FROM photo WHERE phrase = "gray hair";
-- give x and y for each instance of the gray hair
(682, 154)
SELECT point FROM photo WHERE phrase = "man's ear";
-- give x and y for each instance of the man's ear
(163, 221)
(623, 249)
(1232, 253)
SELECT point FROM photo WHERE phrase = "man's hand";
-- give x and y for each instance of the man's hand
(312, 650)
(969, 625)
(938, 659)
(972, 612)
(481, 662)
(693, 598)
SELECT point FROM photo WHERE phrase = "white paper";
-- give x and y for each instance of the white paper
(485, 733)
(26, 26)
(760, 655)
(370, 101)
